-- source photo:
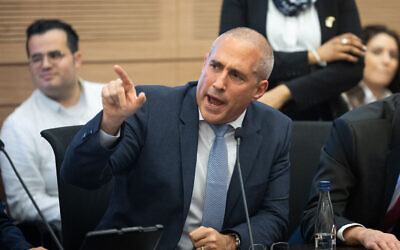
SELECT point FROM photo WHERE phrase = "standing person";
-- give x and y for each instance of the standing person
(61, 98)
(316, 49)
(361, 159)
(381, 71)
(164, 160)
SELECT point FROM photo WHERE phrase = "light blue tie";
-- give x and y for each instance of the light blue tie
(217, 181)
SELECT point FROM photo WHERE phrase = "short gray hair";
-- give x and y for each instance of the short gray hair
(265, 64)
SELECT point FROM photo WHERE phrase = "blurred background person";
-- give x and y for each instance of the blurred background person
(316, 47)
(381, 71)
(61, 98)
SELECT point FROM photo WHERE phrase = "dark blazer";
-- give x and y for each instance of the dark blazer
(10, 236)
(154, 166)
(362, 160)
(314, 89)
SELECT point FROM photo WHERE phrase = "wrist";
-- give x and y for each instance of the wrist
(311, 58)
(352, 235)
(235, 240)
(111, 125)
(317, 59)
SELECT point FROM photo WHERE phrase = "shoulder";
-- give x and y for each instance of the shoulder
(380, 110)
(369, 123)
(25, 112)
(158, 94)
(268, 114)
(270, 122)
(92, 86)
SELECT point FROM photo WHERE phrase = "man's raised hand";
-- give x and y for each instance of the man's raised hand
(120, 101)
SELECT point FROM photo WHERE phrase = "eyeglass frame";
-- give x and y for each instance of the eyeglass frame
(53, 57)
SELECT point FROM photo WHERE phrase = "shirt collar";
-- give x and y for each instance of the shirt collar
(235, 124)
(369, 96)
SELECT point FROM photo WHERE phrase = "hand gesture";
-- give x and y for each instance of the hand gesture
(119, 101)
(343, 47)
(205, 238)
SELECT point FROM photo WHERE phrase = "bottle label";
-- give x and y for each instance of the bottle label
(325, 241)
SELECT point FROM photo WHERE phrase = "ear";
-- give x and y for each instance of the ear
(78, 59)
(260, 89)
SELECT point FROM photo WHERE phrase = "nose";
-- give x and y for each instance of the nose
(386, 57)
(45, 62)
(220, 82)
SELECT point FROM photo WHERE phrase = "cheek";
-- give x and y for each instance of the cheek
(395, 66)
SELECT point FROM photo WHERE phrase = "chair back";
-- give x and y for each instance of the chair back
(308, 137)
(81, 209)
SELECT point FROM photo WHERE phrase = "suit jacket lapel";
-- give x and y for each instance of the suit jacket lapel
(392, 173)
(393, 159)
(249, 147)
(189, 130)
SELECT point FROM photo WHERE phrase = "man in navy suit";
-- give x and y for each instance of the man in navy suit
(156, 145)
(361, 160)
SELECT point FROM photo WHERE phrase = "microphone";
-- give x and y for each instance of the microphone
(53, 235)
(238, 137)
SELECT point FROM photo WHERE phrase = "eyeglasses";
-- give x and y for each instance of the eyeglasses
(53, 57)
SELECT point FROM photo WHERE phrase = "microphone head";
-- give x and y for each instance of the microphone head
(1, 145)
(238, 133)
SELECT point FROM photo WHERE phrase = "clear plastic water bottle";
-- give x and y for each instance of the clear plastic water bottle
(325, 229)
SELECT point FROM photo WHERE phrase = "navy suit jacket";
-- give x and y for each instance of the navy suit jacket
(362, 160)
(154, 165)
(313, 89)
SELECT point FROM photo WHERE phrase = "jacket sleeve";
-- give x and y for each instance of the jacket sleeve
(89, 165)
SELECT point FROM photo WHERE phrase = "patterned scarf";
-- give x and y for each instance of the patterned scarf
(292, 7)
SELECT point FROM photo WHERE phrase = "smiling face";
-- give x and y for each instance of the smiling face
(228, 82)
(381, 61)
(57, 71)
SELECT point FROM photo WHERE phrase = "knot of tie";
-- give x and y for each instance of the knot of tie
(220, 130)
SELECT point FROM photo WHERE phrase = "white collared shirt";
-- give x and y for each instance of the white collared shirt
(369, 96)
(32, 154)
(297, 33)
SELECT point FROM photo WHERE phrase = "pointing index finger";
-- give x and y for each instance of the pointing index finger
(122, 75)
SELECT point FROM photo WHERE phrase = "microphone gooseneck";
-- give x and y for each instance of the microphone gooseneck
(53, 235)
(238, 137)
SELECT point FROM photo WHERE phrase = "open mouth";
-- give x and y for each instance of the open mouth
(213, 101)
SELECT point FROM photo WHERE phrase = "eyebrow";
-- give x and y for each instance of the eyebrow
(51, 51)
(230, 70)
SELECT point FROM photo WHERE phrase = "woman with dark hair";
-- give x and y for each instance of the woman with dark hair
(381, 71)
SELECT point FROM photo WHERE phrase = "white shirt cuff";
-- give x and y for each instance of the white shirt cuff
(107, 140)
(341, 230)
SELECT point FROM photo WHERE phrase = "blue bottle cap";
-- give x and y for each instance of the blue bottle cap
(324, 185)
